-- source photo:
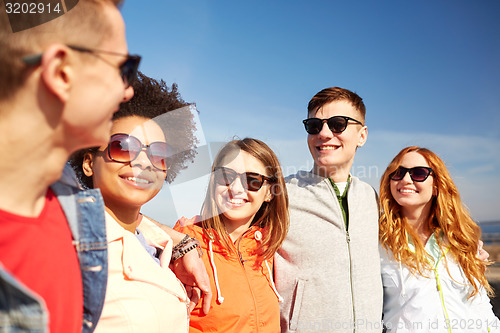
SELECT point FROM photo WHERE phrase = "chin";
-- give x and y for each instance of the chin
(95, 140)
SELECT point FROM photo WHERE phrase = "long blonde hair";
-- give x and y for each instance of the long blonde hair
(448, 216)
(272, 216)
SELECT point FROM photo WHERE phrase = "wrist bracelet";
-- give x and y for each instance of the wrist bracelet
(181, 243)
(187, 246)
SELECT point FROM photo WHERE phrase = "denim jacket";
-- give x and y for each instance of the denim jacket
(21, 310)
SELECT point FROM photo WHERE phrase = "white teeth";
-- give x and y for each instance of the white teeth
(407, 191)
(137, 180)
(327, 148)
(237, 201)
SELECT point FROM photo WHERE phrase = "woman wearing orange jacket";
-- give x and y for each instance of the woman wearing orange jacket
(244, 220)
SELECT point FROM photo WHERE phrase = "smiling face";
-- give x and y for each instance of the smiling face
(237, 204)
(333, 153)
(410, 195)
(129, 184)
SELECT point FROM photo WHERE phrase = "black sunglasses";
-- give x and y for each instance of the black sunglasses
(128, 69)
(336, 124)
(251, 181)
(417, 174)
(124, 148)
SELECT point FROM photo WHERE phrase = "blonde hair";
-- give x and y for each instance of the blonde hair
(448, 216)
(272, 216)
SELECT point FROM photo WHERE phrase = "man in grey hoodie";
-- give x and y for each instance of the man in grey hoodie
(328, 269)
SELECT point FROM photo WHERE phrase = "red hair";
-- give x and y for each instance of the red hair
(448, 216)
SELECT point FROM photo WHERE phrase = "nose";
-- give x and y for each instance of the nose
(325, 131)
(142, 160)
(237, 186)
(407, 177)
(129, 93)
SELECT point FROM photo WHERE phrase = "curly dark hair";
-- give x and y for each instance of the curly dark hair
(154, 100)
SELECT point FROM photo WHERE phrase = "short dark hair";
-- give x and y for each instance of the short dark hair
(153, 99)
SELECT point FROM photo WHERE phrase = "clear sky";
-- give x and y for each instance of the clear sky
(428, 72)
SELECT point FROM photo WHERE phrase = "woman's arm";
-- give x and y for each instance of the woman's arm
(191, 271)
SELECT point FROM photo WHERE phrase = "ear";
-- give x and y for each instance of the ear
(57, 71)
(269, 196)
(363, 135)
(88, 163)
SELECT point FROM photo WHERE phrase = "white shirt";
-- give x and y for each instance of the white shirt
(414, 303)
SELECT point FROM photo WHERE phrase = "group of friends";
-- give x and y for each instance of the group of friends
(317, 251)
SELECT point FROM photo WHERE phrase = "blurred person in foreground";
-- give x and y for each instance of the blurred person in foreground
(433, 277)
(52, 246)
(60, 83)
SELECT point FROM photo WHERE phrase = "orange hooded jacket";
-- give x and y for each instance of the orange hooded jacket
(245, 299)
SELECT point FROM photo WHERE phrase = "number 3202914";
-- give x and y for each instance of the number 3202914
(31, 8)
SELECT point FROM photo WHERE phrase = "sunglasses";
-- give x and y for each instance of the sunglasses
(128, 69)
(336, 124)
(124, 148)
(251, 181)
(417, 174)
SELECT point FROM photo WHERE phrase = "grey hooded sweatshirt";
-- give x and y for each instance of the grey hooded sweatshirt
(329, 277)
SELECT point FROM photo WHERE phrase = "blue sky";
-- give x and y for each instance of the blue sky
(428, 71)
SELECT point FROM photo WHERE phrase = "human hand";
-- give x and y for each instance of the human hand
(191, 271)
(194, 294)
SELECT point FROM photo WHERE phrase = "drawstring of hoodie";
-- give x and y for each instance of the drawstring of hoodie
(440, 288)
(280, 299)
(220, 299)
(438, 285)
(258, 238)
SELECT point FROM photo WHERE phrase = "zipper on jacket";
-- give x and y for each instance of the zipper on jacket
(240, 257)
(348, 239)
(440, 290)
(242, 262)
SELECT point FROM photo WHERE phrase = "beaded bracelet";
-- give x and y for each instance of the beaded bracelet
(187, 244)
(181, 243)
